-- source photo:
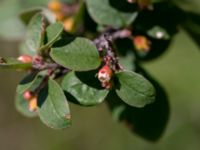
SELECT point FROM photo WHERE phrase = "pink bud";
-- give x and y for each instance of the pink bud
(141, 43)
(27, 95)
(25, 58)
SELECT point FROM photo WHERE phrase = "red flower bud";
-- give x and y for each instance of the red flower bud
(141, 43)
(105, 74)
(25, 59)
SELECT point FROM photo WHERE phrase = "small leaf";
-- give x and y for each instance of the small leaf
(103, 13)
(22, 106)
(34, 36)
(79, 55)
(53, 32)
(53, 106)
(26, 83)
(12, 63)
(26, 15)
(20, 103)
(134, 89)
(84, 94)
(31, 82)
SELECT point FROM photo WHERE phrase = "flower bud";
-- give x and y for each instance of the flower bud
(55, 5)
(141, 43)
(25, 59)
(33, 104)
(105, 74)
(59, 16)
(68, 24)
(28, 95)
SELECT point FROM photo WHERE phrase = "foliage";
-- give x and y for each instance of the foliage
(95, 49)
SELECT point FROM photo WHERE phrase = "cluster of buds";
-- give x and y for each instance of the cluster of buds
(58, 10)
(105, 76)
(31, 99)
(141, 43)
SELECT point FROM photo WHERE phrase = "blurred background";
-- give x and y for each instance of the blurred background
(93, 127)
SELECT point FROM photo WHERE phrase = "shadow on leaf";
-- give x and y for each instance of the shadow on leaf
(148, 122)
(123, 5)
(89, 78)
(65, 39)
(42, 96)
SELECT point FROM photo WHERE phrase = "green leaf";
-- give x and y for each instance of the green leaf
(134, 89)
(53, 32)
(12, 63)
(35, 35)
(84, 93)
(79, 55)
(53, 106)
(22, 106)
(158, 32)
(103, 13)
(26, 15)
(148, 122)
(26, 83)
(31, 82)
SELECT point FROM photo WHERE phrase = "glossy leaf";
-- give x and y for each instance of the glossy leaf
(12, 63)
(82, 92)
(134, 89)
(34, 36)
(53, 106)
(79, 54)
(103, 13)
